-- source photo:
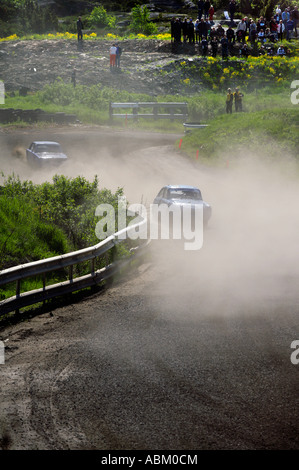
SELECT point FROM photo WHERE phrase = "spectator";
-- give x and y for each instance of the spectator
(238, 100)
(204, 46)
(278, 13)
(252, 31)
(214, 46)
(200, 6)
(281, 51)
(206, 8)
(211, 14)
(285, 16)
(289, 29)
(185, 30)
(220, 31)
(118, 54)
(261, 36)
(190, 31)
(280, 30)
(213, 33)
(196, 30)
(79, 29)
(177, 32)
(232, 9)
(229, 101)
(224, 46)
(244, 51)
(230, 34)
(241, 31)
(112, 55)
(295, 18)
(203, 30)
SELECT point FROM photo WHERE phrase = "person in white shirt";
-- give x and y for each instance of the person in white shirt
(112, 55)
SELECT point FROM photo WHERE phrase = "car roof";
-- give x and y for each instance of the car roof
(45, 142)
(180, 186)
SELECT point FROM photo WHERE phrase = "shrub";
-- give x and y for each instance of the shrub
(141, 21)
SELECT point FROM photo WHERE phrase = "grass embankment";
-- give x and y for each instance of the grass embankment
(41, 221)
(270, 133)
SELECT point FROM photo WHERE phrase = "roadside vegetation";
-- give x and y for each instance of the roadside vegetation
(39, 221)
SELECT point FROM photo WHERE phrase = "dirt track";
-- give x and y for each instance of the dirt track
(192, 350)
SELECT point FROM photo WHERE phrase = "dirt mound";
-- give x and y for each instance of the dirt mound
(30, 65)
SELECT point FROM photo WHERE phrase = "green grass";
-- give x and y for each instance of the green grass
(272, 133)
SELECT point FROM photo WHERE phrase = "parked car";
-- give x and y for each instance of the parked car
(45, 153)
(184, 195)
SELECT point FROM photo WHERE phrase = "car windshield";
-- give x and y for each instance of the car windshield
(185, 194)
(49, 148)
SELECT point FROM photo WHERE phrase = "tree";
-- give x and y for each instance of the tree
(141, 22)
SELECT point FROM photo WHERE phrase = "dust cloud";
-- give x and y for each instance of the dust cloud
(250, 253)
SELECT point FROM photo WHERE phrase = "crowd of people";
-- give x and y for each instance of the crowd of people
(204, 33)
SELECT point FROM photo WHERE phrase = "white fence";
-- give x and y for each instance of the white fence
(40, 268)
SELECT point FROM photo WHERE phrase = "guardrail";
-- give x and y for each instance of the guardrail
(42, 267)
(177, 110)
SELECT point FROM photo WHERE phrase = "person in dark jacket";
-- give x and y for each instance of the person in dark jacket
(232, 9)
(224, 45)
(206, 8)
(190, 31)
(200, 6)
(177, 31)
(79, 29)
(229, 101)
(214, 46)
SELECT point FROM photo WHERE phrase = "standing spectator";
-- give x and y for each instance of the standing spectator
(211, 14)
(224, 45)
(229, 101)
(79, 29)
(278, 13)
(285, 16)
(295, 18)
(112, 55)
(203, 30)
(214, 46)
(171, 29)
(280, 30)
(289, 28)
(200, 6)
(206, 8)
(241, 31)
(252, 31)
(204, 46)
(118, 54)
(273, 27)
(196, 30)
(213, 34)
(232, 9)
(185, 30)
(238, 100)
(230, 34)
(220, 31)
(190, 31)
(177, 31)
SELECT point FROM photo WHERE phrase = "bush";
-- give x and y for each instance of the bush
(141, 21)
(99, 18)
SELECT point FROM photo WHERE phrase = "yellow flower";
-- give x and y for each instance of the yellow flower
(225, 70)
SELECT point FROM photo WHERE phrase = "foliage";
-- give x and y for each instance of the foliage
(99, 18)
(232, 135)
(141, 21)
(44, 220)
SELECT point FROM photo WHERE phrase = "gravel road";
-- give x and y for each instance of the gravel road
(191, 350)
